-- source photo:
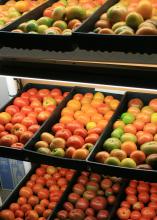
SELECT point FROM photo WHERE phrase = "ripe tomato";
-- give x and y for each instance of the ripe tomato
(17, 118)
(28, 121)
(43, 93)
(130, 190)
(125, 204)
(68, 206)
(25, 191)
(143, 197)
(14, 206)
(7, 214)
(148, 212)
(40, 171)
(123, 213)
(20, 102)
(135, 215)
(131, 199)
(12, 109)
(34, 128)
(153, 197)
(32, 91)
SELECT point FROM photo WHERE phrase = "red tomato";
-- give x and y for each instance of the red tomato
(130, 190)
(26, 192)
(43, 193)
(26, 110)
(153, 205)
(148, 212)
(59, 99)
(125, 204)
(57, 127)
(14, 206)
(32, 91)
(133, 183)
(123, 213)
(48, 12)
(75, 141)
(28, 121)
(63, 133)
(2, 128)
(25, 95)
(62, 181)
(68, 206)
(153, 197)
(145, 137)
(8, 126)
(98, 203)
(7, 214)
(39, 209)
(19, 214)
(135, 215)
(43, 93)
(43, 116)
(91, 138)
(131, 199)
(56, 92)
(20, 102)
(44, 202)
(17, 118)
(25, 136)
(143, 197)
(34, 128)
(36, 103)
(12, 109)
(22, 200)
(40, 171)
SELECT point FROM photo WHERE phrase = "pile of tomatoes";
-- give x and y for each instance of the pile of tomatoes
(23, 117)
(140, 202)
(91, 198)
(40, 194)
(80, 125)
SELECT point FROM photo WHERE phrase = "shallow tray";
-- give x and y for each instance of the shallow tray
(130, 173)
(104, 42)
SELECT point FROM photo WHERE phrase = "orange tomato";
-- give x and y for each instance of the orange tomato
(138, 156)
(139, 124)
(108, 115)
(118, 124)
(134, 110)
(67, 111)
(144, 117)
(74, 105)
(128, 147)
(130, 128)
(66, 119)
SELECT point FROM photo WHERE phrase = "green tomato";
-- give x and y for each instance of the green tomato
(127, 118)
(117, 133)
(112, 143)
(58, 152)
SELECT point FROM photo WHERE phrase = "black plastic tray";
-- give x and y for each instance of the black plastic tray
(32, 155)
(104, 42)
(35, 41)
(69, 190)
(130, 173)
(19, 153)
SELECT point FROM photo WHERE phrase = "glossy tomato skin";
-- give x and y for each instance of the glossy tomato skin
(12, 109)
(20, 102)
(123, 213)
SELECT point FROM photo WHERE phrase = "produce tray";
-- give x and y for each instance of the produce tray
(130, 173)
(32, 155)
(35, 41)
(110, 208)
(104, 42)
(19, 153)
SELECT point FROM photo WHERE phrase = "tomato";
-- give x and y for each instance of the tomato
(76, 214)
(153, 205)
(82, 204)
(153, 197)
(73, 125)
(56, 92)
(25, 136)
(26, 109)
(143, 187)
(91, 138)
(52, 205)
(138, 206)
(35, 103)
(14, 206)
(139, 124)
(33, 200)
(150, 128)
(135, 215)
(82, 179)
(136, 102)
(20, 102)
(33, 128)
(148, 212)
(28, 121)
(153, 104)
(37, 187)
(17, 118)
(125, 204)
(19, 213)
(39, 209)
(26, 192)
(44, 202)
(7, 214)
(133, 183)
(130, 190)
(2, 128)
(62, 181)
(131, 199)
(145, 137)
(75, 141)
(81, 132)
(63, 133)
(43, 116)
(98, 203)
(43, 193)
(62, 214)
(8, 126)
(8, 140)
(102, 214)
(50, 108)
(68, 206)
(32, 91)
(26, 207)
(40, 171)
(22, 200)
(41, 180)
(123, 213)
(73, 197)
(143, 197)
(12, 109)
(43, 93)
(57, 127)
